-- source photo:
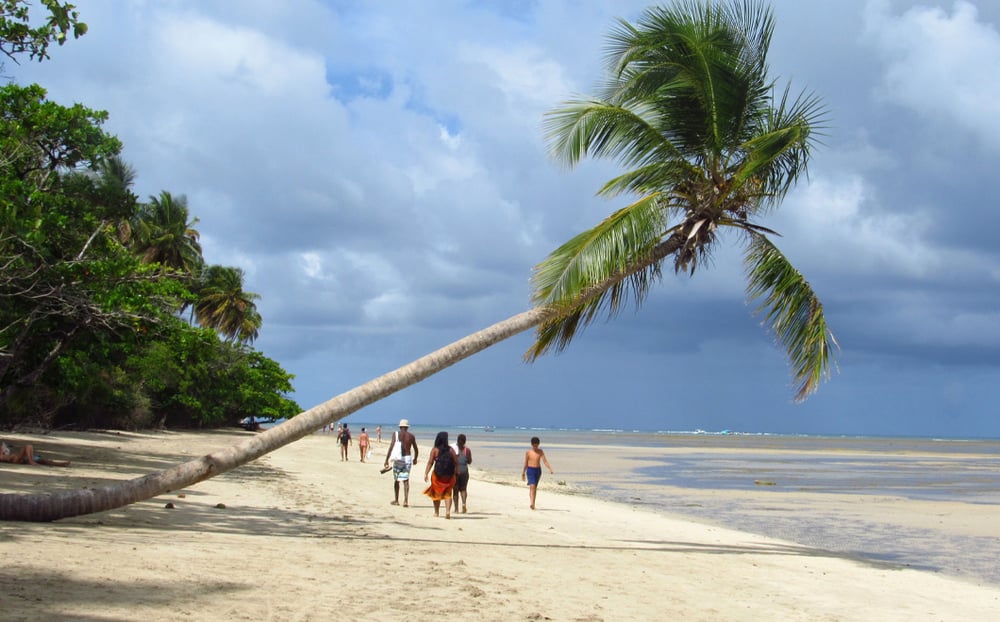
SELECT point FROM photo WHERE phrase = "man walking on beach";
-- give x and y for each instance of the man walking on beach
(363, 444)
(405, 445)
(532, 471)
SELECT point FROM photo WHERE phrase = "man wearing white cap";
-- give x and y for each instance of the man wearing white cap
(403, 452)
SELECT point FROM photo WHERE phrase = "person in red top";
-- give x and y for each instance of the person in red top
(464, 455)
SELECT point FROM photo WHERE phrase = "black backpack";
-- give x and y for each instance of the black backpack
(444, 464)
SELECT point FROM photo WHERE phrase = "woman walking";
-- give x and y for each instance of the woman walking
(444, 461)
(464, 459)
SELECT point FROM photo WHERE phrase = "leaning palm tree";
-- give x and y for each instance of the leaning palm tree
(224, 305)
(689, 108)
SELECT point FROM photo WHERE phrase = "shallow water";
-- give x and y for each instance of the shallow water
(840, 470)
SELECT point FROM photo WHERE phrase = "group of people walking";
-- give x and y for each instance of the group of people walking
(447, 467)
(345, 440)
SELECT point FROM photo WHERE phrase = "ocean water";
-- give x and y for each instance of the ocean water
(966, 470)
(843, 472)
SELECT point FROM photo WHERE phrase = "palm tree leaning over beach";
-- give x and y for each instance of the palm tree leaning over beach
(689, 110)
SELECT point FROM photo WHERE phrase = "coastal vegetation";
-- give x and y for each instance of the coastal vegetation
(97, 287)
(710, 145)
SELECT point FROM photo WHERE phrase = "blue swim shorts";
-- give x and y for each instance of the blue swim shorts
(534, 474)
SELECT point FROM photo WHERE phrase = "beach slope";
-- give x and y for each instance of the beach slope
(300, 535)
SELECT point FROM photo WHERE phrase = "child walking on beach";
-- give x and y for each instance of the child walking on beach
(533, 459)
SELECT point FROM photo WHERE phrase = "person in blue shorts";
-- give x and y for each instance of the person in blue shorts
(532, 472)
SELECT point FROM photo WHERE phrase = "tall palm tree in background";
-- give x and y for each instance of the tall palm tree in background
(224, 305)
(689, 108)
(163, 234)
(114, 180)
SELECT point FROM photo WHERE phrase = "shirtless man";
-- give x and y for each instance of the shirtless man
(363, 444)
(532, 471)
(26, 456)
(408, 452)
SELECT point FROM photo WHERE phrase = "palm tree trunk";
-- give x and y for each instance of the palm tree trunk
(54, 506)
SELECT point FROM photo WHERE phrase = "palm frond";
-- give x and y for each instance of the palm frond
(594, 271)
(792, 312)
(779, 153)
(582, 128)
(650, 178)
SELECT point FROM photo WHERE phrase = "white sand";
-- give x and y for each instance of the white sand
(304, 536)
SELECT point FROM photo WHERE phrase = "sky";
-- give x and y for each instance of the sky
(380, 173)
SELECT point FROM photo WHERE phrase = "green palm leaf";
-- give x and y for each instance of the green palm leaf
(689, 111)
(596, 270)
(792, 311)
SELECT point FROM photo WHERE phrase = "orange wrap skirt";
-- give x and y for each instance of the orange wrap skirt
(440, 489)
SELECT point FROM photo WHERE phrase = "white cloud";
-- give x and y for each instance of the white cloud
(841, 220)
(202, 50)
(941, 64)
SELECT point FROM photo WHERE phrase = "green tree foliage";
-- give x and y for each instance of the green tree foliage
(195, 379)
(18, 36)
(224, 305)
(91, 281)
(163, 233)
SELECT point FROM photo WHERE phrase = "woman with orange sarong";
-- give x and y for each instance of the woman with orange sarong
(444, 460)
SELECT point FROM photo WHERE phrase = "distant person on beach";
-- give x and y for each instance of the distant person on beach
(363, 444)
(444, 462)
(345, 440)
(532, 472)
(403, 452)
(464, 459)
(26, 455)
(378, 434)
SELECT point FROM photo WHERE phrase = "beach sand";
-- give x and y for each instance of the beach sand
(300, 535)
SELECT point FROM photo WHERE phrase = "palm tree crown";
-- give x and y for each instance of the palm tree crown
(689, 110)
(224, 305)
(164, 235)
